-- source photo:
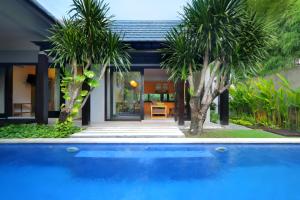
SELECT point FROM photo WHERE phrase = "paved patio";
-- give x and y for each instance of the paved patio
(167, 128)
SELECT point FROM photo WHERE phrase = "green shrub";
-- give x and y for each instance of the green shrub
(267, 102)
(214, 117)
(241, 122)
(36, 131)
(66, 128)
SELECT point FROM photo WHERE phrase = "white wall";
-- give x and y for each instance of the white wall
(155, 75)
(2, 90)
(98, 104)
(207, 76)
(108, 94)
(292, 75)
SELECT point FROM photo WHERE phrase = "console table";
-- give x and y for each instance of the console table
(159, 111)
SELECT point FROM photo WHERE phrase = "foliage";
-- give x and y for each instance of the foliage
(285, 17)
(238, 134)
(241, 122)
(35, 131)
(220, 38)
(66, 128)
(84, 47)
(214, 116)
(268, 102)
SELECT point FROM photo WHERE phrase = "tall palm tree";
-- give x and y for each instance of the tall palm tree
(84, 46)
(216, 40)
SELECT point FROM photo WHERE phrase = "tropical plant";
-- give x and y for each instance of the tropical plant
(84, 47)
(285, 18)
(218, 40)
(270, 103)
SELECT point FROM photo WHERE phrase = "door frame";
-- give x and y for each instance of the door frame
(111, 82)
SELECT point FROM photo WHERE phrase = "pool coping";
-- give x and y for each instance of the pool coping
(153, 141)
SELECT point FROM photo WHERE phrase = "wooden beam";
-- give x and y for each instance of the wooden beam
(8, 90)
(42, 90)
(180, 102)
(224, 108)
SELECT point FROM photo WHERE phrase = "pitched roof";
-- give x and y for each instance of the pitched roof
(136, 30)
(130, 30)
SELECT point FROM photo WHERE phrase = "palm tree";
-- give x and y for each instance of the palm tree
(217, 40)
(84, 47)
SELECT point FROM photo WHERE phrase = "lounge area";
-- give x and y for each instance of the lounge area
(159, 95)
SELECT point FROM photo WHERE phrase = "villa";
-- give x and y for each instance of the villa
(30, 85)
(137, 139)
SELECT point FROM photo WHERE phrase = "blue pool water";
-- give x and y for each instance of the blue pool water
(149, 172)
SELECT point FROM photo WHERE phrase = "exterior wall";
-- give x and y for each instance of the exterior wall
(98, 104)
(108, 94)
(208, 112)
(292, 75)
(2, 90)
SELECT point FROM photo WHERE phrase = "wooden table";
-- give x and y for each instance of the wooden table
(159, 111)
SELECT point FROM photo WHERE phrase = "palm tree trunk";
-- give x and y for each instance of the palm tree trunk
(199, 113)
(63, 116)
(195, 117)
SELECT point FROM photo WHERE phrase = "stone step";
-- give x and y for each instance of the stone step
(128, 128)
(122, 135)
(131, 130)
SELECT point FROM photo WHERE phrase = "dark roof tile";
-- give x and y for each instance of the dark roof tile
(143, 30)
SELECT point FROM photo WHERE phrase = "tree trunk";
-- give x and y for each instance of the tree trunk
(198, 113)
(63, 116)
(195, 117)
(202, 114)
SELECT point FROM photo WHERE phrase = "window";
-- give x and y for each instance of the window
(159, 97)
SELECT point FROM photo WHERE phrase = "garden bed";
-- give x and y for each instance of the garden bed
(286, 133)
(36, 131)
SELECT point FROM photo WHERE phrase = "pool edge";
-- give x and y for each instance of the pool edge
(152, 141)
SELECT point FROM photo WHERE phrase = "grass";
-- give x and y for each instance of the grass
(239, 134)
(36, 131)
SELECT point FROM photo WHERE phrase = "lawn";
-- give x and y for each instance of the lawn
(239, 134)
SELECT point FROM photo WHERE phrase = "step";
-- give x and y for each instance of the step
(122, 135)
(130, 131)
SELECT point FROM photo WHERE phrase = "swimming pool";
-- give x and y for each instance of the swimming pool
(149, 171)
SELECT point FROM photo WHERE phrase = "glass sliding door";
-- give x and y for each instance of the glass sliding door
(24, 90)
(126, 96)
(2, 91)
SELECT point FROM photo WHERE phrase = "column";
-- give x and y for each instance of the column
(42, 90)
(8, 90)
(86, 110)
(224, 108)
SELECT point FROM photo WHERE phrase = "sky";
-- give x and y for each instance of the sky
(126, 9)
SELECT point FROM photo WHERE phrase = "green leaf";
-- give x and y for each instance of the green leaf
(93, 83)
(80, 78)
(83, 93)
(89, 74)
(75, 110)
(67, 97)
